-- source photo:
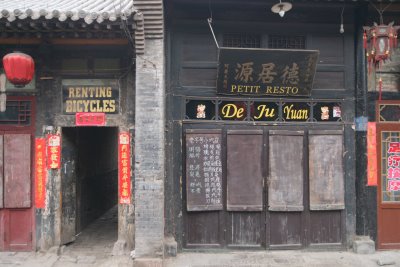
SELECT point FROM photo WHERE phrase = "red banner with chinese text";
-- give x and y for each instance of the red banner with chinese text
(124, 162)
(90, 119)
(53, 151)
(40, 173)
(372, 169)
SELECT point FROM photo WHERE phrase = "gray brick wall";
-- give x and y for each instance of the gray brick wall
(149, 150)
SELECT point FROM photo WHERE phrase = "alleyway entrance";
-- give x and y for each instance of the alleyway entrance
(89, 186)
(95, 242)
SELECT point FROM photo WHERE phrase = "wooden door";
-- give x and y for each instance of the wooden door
(244, 189)
(285, 218)
(68, 186)
(17, 214)
(388, 140)
(281, 188)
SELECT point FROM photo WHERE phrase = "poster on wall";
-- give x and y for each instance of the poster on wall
(124, 161)
(53, 151)
(40, 172)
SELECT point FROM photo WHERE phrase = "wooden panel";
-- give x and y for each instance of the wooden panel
(198, 47)
(198, 77)
(202, 229)
(17, 170)
(245, 229)
(285, 229)
(326, 171)
(388, 231)
(330, 48)
(1, 171)
(325, 227)
(328, 80)
(244, 170)
(19, 234)
(203, 170)
(285, 185)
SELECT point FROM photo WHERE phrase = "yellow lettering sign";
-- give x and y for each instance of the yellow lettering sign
(290, 113)
(232, 111)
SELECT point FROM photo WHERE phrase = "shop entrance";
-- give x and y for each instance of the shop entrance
(89, 185)
(263, 187)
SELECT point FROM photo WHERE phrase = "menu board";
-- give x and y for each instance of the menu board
(203, 170)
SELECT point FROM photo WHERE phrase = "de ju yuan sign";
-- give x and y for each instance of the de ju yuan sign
(269, 72)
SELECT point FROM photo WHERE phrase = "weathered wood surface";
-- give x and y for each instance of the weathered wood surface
(326, 170)
(17, 171)
(285, 190)
(244, 170)
(1, 171)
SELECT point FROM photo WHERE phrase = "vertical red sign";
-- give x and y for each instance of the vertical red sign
(40, 172)
(53, 151)
(124, 161)
(372, 169)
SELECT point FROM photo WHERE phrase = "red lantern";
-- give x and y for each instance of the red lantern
(19, 68)
(382, 40)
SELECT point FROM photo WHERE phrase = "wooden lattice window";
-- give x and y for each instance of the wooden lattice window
(18, 113)
(287, 42)
(244, 40)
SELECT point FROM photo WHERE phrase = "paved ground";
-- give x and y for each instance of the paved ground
(93, 247)
(226, 259)
(284, 259)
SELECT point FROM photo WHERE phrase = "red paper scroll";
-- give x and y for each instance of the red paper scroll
(53, 151)
(124, 161)
(372, 170)
(40, 172)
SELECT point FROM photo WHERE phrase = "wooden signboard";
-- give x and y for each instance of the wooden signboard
(266, 72)
(90, 96)
(203, 170)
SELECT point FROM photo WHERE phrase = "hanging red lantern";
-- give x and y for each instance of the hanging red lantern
(19, 68)
(382, 40)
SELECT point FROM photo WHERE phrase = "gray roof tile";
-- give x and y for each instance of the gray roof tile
(88, 10)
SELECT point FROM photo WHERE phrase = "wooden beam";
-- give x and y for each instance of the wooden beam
(65, 41)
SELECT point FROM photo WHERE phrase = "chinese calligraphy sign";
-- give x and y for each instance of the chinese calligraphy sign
(40, 172)
(53, 151)
(269, 72)
(203, 170)
(393, 167)
(124, 159)
(90, 119)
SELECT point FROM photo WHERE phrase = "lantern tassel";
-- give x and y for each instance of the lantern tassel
(380, 88)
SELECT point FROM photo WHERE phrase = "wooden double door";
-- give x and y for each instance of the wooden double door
(262, 187)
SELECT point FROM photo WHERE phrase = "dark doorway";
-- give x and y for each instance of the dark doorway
(89, 182)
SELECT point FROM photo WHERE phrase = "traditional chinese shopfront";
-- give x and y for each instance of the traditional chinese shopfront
(262, 152)
(67, 137)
